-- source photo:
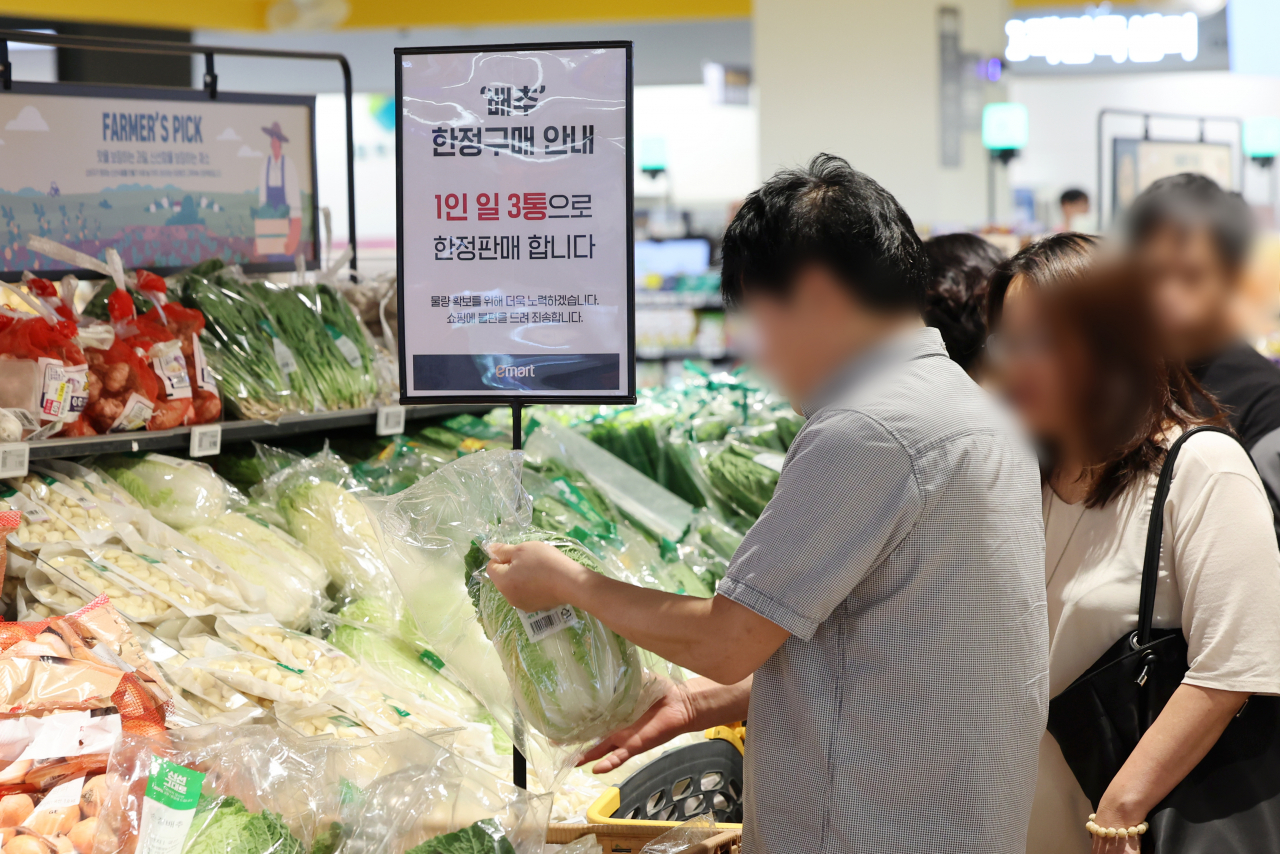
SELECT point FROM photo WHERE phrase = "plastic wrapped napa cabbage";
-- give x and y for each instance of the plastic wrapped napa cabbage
(577, 684)
(290, 595)
(178, 492)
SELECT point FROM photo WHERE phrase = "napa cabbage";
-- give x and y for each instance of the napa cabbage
(222, 825)
(580, 683)
(332, 524)
(179, 493)
(275, 543)
(403, 665)
(290, 595)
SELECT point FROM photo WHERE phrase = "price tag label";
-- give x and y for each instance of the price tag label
(14, 459)
(390, 420)
(206, 440)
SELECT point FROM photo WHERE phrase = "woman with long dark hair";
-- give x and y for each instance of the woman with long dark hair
(1074, 348)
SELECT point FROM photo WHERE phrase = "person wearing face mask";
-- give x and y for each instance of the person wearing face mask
(1074, 347)
(884, 619)
(1192, 241)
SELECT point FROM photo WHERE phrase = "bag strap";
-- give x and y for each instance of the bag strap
(1155, 532)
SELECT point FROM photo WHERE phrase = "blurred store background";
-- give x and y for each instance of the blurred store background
(978, 114)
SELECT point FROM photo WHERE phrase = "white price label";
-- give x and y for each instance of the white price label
(206, 440)
(347, 348)
(390, 420)
(544, 624)
(284, 356)
(14, 459)
(137, 412)
(171, 368)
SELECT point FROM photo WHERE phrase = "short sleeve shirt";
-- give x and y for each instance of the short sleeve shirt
(904, 552)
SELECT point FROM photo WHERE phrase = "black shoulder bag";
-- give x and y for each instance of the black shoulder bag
(1230, 802)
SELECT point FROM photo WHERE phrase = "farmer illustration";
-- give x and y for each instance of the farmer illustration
(279, 194)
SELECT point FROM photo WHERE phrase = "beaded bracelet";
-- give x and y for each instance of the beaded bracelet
(1114, 832)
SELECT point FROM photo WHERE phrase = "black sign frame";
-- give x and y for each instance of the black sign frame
(533, 397)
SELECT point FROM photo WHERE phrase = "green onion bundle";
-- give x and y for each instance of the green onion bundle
(328, 379)
(237, 342)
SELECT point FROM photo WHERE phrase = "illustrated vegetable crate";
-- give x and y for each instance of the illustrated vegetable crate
(270, 236)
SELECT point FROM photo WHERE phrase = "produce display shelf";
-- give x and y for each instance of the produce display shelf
(233, 431)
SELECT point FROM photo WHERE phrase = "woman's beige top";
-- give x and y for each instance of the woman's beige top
(1219, 582)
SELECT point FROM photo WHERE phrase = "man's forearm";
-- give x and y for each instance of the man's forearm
(672, 626)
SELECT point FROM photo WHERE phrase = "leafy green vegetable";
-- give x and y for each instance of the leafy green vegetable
(579, 683)
(238, 340)
(333, 525)
(177, 492)
(483, 837)
(743, 485)
(402, 664)
(222, 825)
(326, 377)
(328, 840)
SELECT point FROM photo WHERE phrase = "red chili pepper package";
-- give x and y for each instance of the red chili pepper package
(123, 390)
(183, 325)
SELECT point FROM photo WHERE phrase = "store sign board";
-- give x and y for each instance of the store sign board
(515, 238)
(1074, 41)
(168, 178)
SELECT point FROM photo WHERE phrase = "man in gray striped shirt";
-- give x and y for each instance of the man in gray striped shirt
(884, 621)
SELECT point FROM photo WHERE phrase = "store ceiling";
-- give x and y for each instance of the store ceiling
(261, 15)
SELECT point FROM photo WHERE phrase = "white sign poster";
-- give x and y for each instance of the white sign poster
(515, 235)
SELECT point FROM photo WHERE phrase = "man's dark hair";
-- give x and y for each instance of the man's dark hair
(956, 302)
(1191, 201)
(829, 214)
(1070, 197)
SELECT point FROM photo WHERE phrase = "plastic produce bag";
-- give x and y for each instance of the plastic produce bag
(401, 664)
(294, 649)
(250, 362)
(178, 492)
(277, 544)
(574, 680)
(69, 502)
(741, 478)
(334, 375)
(185, 325)
(86, 575)
(317, 497)
(683, 836)
(571, 686)
(444, 806)
(209, 790)
(289, 596)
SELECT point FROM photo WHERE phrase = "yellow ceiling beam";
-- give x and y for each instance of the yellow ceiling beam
(217, 14)
(251, 14)
(416, 13)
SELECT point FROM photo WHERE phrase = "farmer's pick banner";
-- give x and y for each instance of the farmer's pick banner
(167, 183)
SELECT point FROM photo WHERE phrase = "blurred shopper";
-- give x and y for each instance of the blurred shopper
(1075, 210)
(1193, 240)
(956, 302)
(1077, 355)
(884, 618)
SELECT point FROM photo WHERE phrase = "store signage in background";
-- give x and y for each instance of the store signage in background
(1113, 40)
(515, 223)
(167, 178)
